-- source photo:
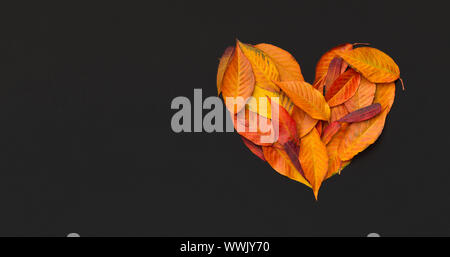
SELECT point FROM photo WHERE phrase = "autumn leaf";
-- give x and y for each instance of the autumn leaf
(343, 88)
(254, 127)
(263, 66)
(303, 121)
(362, 114)
(324, 62)
(258, 102)
(287, 129)
(306, 98)
(334, 162)
(330, 131)
(256, 149)
(373, 64)
(363, 96)
(223, 64)
(314, 159)
(238, 81)
(287, 66)
(280, 161)
(319, 127)
(385, 95)
(360, 135)
(338, 112)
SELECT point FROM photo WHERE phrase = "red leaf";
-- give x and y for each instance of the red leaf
(330, 131)
(287, 129)
(362, 114)
(256, 149)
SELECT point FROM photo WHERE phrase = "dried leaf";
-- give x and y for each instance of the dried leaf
(334, 162)
(263, 66)
(238, 80)
(287, 130)
(343, 88)
(314, 159)
(280, 161)
(363, 96)
(385, 95)
(362, 114)
(287, 66)
(360, 135)
(338, 112)
(303, 121)
(307, 98)
(259, 103)
(256, 149)
(373, 64)
(255, 127)
(223, 64)
(330, 131)
(324, 63)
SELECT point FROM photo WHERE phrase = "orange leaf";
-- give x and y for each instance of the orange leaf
(343, 88)
(287, 129)
(256, 149)
(263, 66)
(258, 102)
(385, 95)
(330, 131)
(314, 159)
(338, 112)
(238, 81)
(280, 161)
(363, 96)
(324, 62)
(373, 64)
(334, 162)
(307, 98)
(254, 127)
(360, 135)
(285, 62)
(303, 121)
(319, 127)
(223, 64)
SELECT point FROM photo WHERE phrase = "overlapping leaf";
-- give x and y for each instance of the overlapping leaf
(306, 98)
(287, 66)
(238, 81)
(314, 159)
(363, 96)
(373, 64)
(308, 133)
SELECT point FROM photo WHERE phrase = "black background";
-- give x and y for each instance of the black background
(86, 144)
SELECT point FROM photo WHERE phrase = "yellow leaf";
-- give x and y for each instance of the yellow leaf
(263, 66)
(306, 98)
(223, 64)
(303, 121)
(238, 80)
(287, 66)
(363, 96)
(280, 161)
(314, 159)
(373, 64)
(259, 103)
(360, 135)
(385, 95)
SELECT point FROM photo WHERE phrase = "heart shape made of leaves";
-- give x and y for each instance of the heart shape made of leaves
(319, 127)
